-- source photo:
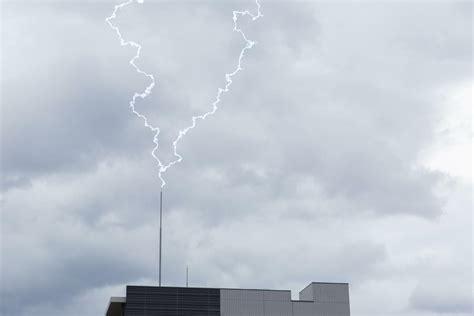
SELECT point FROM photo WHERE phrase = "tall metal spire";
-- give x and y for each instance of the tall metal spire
(161, 217)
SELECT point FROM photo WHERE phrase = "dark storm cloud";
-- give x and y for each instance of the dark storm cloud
(64, 111)
(317, 142)
(354, 134)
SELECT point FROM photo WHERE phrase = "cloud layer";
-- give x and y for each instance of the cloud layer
(323, 163)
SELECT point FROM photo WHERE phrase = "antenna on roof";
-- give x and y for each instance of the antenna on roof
(161, 216)
(187, 276)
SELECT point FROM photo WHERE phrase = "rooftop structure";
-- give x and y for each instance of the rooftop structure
(317, 299)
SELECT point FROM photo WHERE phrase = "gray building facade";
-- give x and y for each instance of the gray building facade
(316, 299)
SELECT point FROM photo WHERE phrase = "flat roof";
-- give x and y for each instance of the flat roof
(211, 288)
(331, 283)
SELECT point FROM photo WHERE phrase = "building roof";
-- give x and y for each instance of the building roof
(115, 307)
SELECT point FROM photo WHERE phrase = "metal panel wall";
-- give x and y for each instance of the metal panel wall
(320, 309)
(235, 302)
(306, 294)
(333, 300)
(277, 303)
(278, 308)
(269, 295)
(330, 300)
(331, 309)
(176, 301)
(331, 292)
(237, 294)
(303, 309)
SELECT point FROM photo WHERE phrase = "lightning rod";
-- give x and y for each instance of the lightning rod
(161, 217)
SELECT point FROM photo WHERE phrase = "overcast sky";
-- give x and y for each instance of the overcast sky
(342, 152)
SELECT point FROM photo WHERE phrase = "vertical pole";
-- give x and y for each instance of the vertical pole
(187, 275)
(161, 216)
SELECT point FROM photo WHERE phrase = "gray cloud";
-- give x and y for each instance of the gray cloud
(311, 162)
(443, 298)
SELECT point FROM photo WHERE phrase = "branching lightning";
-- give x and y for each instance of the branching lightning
(228, 77)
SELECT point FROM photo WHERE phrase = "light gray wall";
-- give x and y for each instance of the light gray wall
(330, 292)
(317, 299)
(306, 294)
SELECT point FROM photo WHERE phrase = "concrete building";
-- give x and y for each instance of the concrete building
(317, 299)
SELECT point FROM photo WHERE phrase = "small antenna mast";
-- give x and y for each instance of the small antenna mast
(161, 216)
(187, 275)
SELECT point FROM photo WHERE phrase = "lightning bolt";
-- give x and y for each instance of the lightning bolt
(215, 105)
